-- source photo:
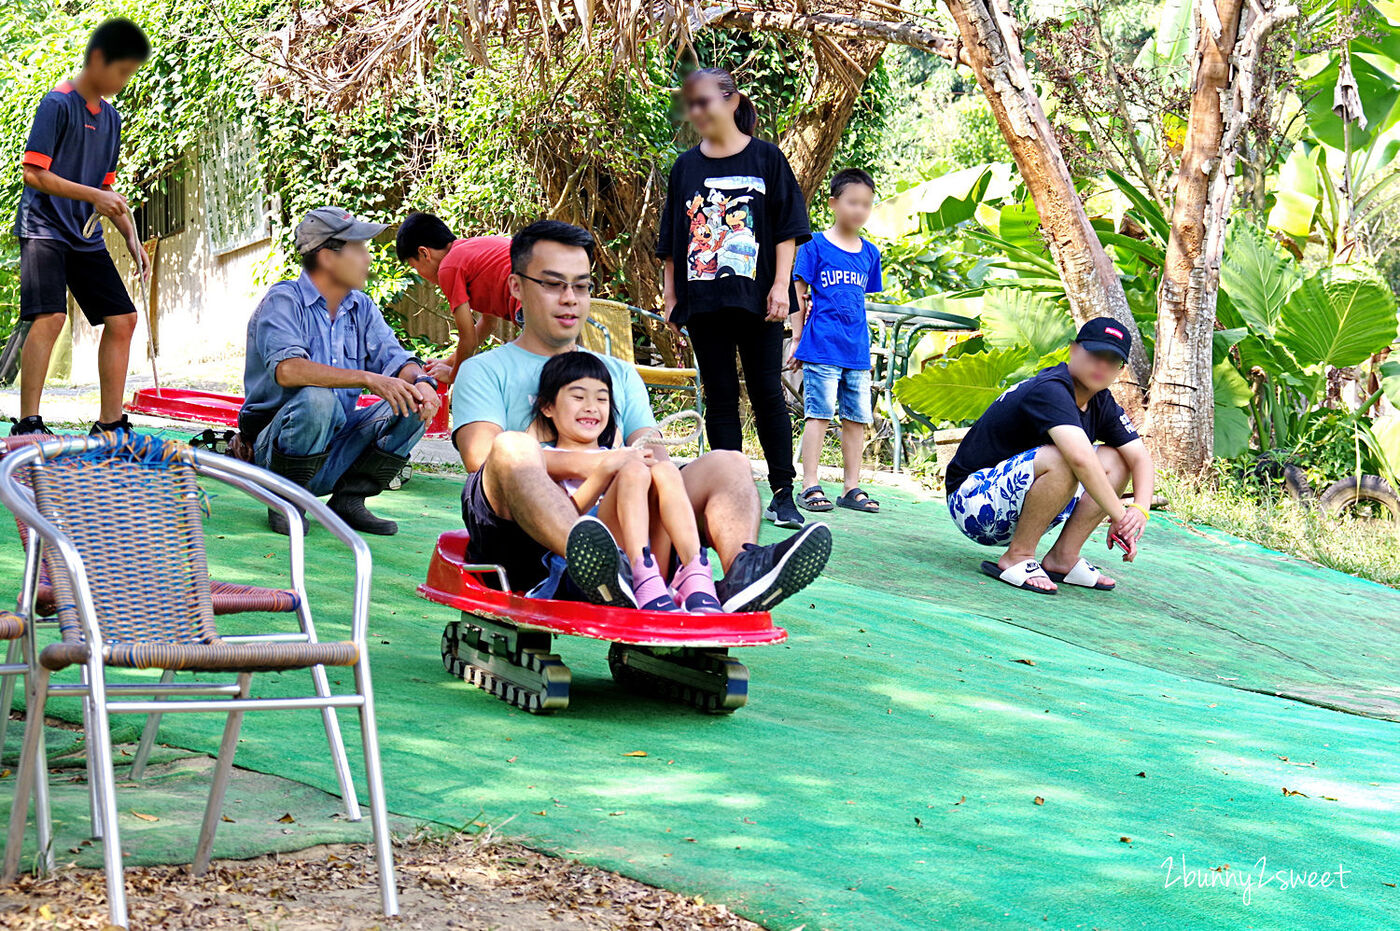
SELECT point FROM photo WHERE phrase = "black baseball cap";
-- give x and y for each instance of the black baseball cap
(1105, 334)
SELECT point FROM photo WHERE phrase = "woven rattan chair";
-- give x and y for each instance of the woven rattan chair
(227, 598)
(609, 331)
(103, 505)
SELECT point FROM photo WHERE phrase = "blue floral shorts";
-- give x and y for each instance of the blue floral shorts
(988, 503)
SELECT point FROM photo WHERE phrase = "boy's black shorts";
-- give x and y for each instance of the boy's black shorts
(49, 268)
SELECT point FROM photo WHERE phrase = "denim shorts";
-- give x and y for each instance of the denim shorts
(987, 505)
(829, 389)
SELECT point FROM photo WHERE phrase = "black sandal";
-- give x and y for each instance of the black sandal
(814, 499)
(857, 500)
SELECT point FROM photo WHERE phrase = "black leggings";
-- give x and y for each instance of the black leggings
(716, 336)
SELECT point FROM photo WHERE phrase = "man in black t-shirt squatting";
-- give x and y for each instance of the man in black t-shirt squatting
(1030, 462)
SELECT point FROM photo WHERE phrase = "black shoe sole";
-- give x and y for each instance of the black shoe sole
(595, 565)
(798, 568)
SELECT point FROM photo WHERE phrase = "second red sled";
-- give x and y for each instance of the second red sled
(502, 643)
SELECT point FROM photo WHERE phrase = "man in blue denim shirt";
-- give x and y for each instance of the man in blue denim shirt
(314, 344)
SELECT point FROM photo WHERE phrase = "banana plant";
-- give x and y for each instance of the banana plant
(1022, 333)
(1284, 331)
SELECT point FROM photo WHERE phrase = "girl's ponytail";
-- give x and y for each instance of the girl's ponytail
(746, 117)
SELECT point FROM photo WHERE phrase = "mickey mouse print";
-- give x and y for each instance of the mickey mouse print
(722, 241)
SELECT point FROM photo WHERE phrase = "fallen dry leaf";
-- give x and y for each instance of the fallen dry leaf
(1039, 800)
(1125, 839)
(1287, 791)
(145, 817)
(1028, 662)
(287, 819)
(635, 753)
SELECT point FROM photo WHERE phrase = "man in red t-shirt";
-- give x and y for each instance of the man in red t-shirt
(473, 273)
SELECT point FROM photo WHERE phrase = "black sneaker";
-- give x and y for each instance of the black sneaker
(115, 426)
(597, 567)
(25, 425)
(783, 512)
(762, 576)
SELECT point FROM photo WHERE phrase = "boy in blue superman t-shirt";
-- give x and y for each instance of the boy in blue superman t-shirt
(831, 340)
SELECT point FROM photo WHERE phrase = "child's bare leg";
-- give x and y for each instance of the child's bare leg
(677, 518)
(113, 356)
(813, 432)
(625, 508)
(852, 445)
(34, 360)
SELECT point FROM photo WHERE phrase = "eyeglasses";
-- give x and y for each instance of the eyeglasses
(702, 103)
(555, 288)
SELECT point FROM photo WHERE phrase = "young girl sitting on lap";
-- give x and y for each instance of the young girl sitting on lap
(641, 499)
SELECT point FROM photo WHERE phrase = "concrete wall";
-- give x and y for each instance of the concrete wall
(202, 303)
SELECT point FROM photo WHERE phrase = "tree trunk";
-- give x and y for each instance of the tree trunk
(1181, 420)
(991, 46)
(810, 143)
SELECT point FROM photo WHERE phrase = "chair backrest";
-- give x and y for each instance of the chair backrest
(10, 444)
(616, 318)
(133, 509)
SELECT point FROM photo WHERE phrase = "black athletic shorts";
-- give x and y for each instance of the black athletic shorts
(50, 268)
(497, 540)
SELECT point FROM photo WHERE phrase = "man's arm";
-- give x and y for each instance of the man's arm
(403, 396)
(1144, 472)
(473, 441)
(1073, 444)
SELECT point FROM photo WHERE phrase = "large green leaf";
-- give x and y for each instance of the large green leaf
(1222, 341)
(1232, 395)
(1390, 381)
(1339, 316)
(1231, 389)
(1258, 276)
(1374, 54)
(962, 388)
(1012, 317)
(941, 202)
(1232, 432)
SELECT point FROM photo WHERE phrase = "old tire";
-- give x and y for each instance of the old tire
(1365, 496)
(1295, 482)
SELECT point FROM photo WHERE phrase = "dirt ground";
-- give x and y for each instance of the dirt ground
(472, 883)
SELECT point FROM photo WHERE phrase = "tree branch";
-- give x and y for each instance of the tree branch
(834, 25)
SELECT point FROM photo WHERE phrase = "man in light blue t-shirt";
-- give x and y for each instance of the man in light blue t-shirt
(516, 512)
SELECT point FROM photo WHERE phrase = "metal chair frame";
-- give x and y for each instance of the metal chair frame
(696, 391)
(101, 698)
(27, 608)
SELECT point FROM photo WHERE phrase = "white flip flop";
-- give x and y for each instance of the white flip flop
(1083, 575)
(1016, 575)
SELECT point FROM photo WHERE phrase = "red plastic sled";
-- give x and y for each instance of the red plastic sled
(502, 642)
(222, 409)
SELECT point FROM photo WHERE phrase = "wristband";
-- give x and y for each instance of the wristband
(1145, 514)
(426, 378)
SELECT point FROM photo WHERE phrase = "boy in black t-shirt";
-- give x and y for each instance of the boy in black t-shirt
(70, 165)
(1027, 463)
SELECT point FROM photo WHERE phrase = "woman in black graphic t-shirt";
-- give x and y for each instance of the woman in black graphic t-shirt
(733, 220)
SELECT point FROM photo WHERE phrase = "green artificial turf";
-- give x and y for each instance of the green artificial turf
(886, 772)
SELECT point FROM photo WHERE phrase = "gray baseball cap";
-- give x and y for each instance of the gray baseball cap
(326, 223)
